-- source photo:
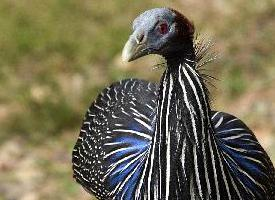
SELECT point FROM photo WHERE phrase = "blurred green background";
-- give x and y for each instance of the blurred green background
(57, 55)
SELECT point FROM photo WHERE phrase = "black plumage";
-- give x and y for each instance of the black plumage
(141, 140)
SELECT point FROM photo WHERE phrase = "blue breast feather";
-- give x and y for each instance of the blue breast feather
(243, 154)
(128, 159)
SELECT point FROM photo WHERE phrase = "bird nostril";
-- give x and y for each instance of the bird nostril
(139, 38)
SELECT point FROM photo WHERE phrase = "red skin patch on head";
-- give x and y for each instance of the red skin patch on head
(163, 28)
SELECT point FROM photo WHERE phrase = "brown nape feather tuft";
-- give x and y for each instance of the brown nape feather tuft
(184, 26)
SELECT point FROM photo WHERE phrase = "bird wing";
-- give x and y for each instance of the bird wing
(247, 161)
(115, 138)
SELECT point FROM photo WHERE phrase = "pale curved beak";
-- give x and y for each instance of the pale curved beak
(133, 49)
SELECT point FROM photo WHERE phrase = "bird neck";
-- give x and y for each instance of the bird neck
(183, 98)
(183, 50)
(182, 122)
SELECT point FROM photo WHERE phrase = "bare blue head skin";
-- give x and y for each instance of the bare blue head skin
(161, 31)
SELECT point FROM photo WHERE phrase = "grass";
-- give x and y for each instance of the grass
(57, 55)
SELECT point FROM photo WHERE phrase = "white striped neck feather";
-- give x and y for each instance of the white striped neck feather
(181, 128)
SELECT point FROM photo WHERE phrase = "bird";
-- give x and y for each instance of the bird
(156, 141)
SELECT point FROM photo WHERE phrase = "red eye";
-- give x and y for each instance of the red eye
(163, 28)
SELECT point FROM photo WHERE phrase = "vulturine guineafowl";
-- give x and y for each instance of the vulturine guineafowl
(141, 140)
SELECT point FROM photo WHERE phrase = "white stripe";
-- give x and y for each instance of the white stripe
(257, 161)
(197, 171)
(115, 94)
(83, 131)
(81, 174)
(132, 161)
(219, 122)
(119, 124)
(215, 115)
(223, 174)
(196, 95)
(143, 123)
(168, 159)
(137, 193)
(123, 111)
(109, 97)
(214, 167)
(112, 143)
(189, 60)
(202, 128)
(232, 120)
(160, 136)
(133, 85)
(233, 129)
(236, 149)
(114, 165)
(91, 115)
(153, 149)
(246, 188)
(248, 175)
(131, 102)
(134, 132)
(97, 106)
(188, 107)
(120, 186)
(202, 90)
(115, 151)
(206, 170)
(115, 117)
(125, 85)
(139, 114)
(235, 186)
(149, 106)
(192, 192)
(232, 137)
(183, 156)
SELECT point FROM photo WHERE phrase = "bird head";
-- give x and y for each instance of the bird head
(161, 31)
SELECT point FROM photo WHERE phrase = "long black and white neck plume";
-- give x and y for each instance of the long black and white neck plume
(142, 140)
